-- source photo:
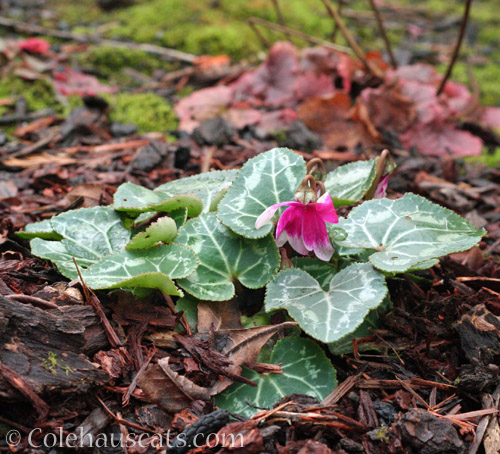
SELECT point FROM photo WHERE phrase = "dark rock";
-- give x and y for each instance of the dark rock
(299, 137)
(3, 138)
(477, 378)
(150, 156)
(182, 157)
(118, 129)
(215, 131)
(429, 434)
(95, 102)
(385, 411)
(479, 332)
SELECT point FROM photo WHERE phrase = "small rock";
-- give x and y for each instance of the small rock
(118, 129)
(216, 131)
(299, 137)
(429, 434)
(385, 411)
(3, 138)
(150, 156)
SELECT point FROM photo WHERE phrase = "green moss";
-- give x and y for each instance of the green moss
(39, 94)
(487, 77)
(109, 60)
(147, 111)
(488, 158)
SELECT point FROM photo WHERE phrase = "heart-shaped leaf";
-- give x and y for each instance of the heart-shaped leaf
(269, 178)
(91, 233)
(136, 199)
(149, 268)
(57, 253)
(41, 229)
(372, 321)
(348, 184)
(306, 370)
(164, 229)
(328, 315)
(88, 235)
(319, 269)
(407, 232)
(207, 186)
(224, 257)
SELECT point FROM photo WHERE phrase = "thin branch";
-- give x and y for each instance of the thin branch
(340, 4)
(458, 44)
(33, 29)
(255, 29)
(383, 32)
(281, 18)
(311, 39)
(373, 69)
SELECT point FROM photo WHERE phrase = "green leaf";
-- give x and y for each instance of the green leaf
(57, 253)
(306, 370)
(319, 269)
(207, 186)
(224, 257)
(348, 184)
(164, 229)
(372, 321)
(407, 232)
(179, 216)
(150, 268)
(189, 305)
(269, 178)
(41, 229)
(91, 233)
(136, 199)
(88, 235)
(328, 315)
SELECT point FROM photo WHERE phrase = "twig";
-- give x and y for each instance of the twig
(458, 44)
(183, 320)
(304, 36)
(264, 40)
(32, 29)
(381, 27)
(133, 383)
(340, 4)
(281, 19)
(92, 300)
(373, 69)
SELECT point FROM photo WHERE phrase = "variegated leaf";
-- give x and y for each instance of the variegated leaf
(164, 229)
(148, 268)
(348, 184)
(328, 315)
(407, 233)
(269, 178)
(224, 257)
(136, 199)
(306, 370)
(207, 186)
(41, 229)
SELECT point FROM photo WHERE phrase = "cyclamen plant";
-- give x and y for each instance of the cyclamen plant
(216, 229)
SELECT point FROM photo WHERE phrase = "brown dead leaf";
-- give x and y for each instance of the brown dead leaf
(213, 316)
(330, 117)
(160, 389)
(314, 447)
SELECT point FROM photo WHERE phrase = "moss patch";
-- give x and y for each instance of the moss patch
(147, 111)
(39, 94)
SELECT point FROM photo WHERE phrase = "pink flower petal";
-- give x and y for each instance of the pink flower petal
(286, 221)
(381, 190)
(315, 235)
(326, 210)
(268, 213)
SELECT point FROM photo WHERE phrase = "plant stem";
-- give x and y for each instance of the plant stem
(383, 32)
(253, 21)
(340, 4)
(379, 171)
(373, 69)
(458, 44)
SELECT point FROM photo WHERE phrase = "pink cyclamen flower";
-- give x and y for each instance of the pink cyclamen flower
(381, 189)
(35, 45)
(303, 225)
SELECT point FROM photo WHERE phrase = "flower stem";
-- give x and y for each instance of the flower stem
(379, 172)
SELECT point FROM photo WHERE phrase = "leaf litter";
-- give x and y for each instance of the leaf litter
(414, 382)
